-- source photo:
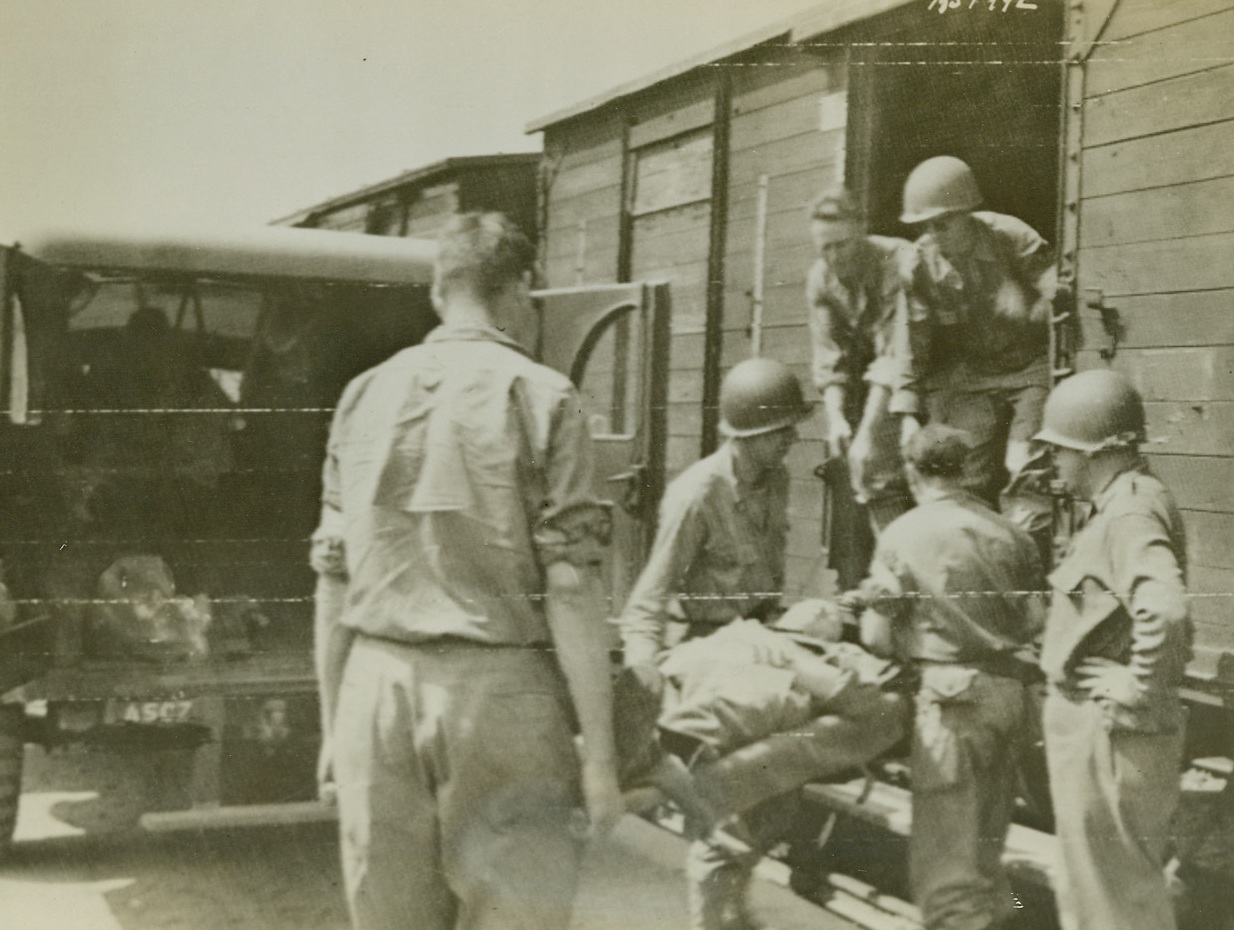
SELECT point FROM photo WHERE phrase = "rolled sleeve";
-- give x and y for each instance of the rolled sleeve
(331, 482)
(1033, 254)
(573, 525)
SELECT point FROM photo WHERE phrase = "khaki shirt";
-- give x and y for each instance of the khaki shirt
(745, 682)
(960, 583)
(427, 485)
(854, 331)
(980, 323)
(1120, 594)
(718, 553)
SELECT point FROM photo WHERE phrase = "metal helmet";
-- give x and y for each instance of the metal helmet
(938, 186)
(760, 395)
(1093, 411)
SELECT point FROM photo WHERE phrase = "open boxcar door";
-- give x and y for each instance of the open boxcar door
(612, 340)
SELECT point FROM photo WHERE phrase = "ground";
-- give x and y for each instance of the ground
(80, 864)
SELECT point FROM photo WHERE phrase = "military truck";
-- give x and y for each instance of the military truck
(165, 401)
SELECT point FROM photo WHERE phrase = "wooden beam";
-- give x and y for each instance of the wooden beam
(713, 346)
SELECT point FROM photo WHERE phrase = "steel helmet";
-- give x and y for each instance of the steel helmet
(1093, 411)
(758, 396)
(937, 186)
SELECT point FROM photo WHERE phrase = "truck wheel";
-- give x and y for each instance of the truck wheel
(12, 749)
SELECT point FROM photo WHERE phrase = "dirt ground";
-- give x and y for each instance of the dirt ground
(80, 862)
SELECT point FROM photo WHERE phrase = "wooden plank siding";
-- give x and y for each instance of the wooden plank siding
(582, 184)
(1198, 483)
(1182, 210)
(1194, 373)
(1192, 153)
(419, 203)
(1162, 107)
(1195, 263)
(776, 114)
(1212, 604)
(1137, 17)
(1193, 318)
(1190, 428)
(669, 241)
(348, 219)
(1157, 237)
(1178, 49)
(776, 131)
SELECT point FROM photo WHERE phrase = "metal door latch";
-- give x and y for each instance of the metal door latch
(1111, 321)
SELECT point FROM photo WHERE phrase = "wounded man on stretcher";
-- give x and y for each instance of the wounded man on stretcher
(750, 712)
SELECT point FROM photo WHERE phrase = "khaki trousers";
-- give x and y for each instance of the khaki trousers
(1114, 794)
(457, 781)
(999, 420)
(964, 750)
(758, 782)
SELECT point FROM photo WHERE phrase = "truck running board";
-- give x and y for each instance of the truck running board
(240, 815)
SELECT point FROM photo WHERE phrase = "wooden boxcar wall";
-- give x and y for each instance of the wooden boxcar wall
(786, 120)
(636, 167)
(788, 123)
(1156, 237)
(419, 209)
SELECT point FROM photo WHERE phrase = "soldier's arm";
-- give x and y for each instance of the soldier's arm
(818, 676)
(911, 339)
(1034, 254)
(1034, 262)
(331, 640)
(827, 361)
(679, 537)
(885, 597)
(1150, 581)
(570, 538)
(827, 357)
(884, 372)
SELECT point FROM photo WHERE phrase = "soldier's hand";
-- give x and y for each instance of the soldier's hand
(839, 435)
(650, 677)
(1111, 681)
(910, 426)
(858, 455)
(327, 790)
(602, 797)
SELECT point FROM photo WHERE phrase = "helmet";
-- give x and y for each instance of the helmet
(937, 186)
(1093, 411)
(760, 395)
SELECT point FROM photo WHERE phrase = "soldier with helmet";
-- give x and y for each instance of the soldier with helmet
(981, 291)
(1116, 648)
(718, 557)
(854, 294)
(719, 548)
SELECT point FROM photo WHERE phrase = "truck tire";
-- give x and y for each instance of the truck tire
(12, 751)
